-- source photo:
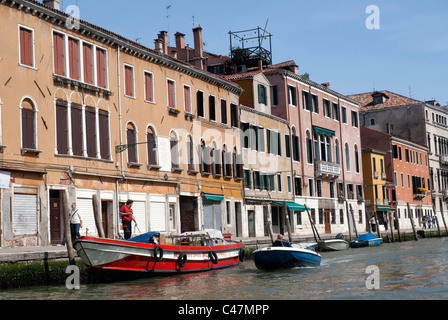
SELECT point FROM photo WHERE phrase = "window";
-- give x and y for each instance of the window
(288, 180)
(344, 115)
(311, 187)
(246, 131)
(58, 54)
(247, 179)
(357, 168)
(217, 161)
(306, 100)
(287, 146)
(101, 68)
(223, 111)
(350, 191)
(234, 115)
(257, 180)
(327, 108)
(298, 186)
(77, 131)
(335, 111)
(347, 156)
(319, 188)
(309, 148)
(237, 164)
(292, 96)
(406, 152)
(172, 216)
(103, 122)
(331, 189)
(274, 95)
(190, 153)
(26, 46)
(90, 120)
(149, 86)
(61, 127)
(152, 146)
(187, 99)
(29, 122)
(212, 108)
(355, 119)
(131, 140)
(200, 103)
(174, 144)
(337, 152)
(372, 122)
(262, 94)
(315, 103)
(226, 162)
(73, 56)
(279, 182)
(129, 80)
(295, 146)
(171, 86)
(87, 50)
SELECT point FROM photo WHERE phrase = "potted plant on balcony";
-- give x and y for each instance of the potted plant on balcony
(341, 196)
(360, 198)
(173, 110)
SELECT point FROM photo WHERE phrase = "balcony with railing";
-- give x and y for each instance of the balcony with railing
(330, 170)
(443, 159)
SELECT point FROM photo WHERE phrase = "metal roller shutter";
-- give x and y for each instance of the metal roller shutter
(25, 214)
(85, 207)
(208, 214)
(157, 216)
(139, 209)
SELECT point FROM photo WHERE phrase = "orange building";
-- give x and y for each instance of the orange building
(408, 176)
(88, 112)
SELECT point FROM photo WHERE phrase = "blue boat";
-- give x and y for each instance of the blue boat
(273, 258)
(366, 240)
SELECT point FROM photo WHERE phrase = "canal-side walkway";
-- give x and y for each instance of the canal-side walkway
(57, 252)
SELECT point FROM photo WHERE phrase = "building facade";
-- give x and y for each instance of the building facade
(87, 112)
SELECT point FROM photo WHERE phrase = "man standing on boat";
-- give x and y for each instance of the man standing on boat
(127, 216)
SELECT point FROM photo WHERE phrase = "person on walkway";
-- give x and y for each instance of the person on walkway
(385, 222)
(433, 222)
(127, 216)
(75, 222)
(428, 220)
(373, 224)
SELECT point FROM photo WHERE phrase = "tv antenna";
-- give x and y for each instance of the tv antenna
(168, 7)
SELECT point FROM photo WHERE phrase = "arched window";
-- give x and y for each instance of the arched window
(151, 141)
(309, 148)
(190, 153)
(295, 145)
(216, 155)
(29, 124)
(337, 152)
(131, 141)
(356, 159)
(174, 144)
(347, 156)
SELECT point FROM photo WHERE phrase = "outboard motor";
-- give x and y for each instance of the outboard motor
(340, 236)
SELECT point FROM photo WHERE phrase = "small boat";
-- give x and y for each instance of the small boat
(109, 259)
(332, 245)
(366, 240)
(272, 258)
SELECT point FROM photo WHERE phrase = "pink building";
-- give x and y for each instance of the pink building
(325, 150)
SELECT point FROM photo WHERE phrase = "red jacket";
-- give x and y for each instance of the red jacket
(126, 209)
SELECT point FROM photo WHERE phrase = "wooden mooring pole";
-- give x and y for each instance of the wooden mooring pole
(412, 222)
(67, 233)
(397, 219)
(97, 215)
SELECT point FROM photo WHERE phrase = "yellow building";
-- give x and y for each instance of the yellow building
(88, 112)
(375, 193)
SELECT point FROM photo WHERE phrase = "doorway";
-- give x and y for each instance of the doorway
(251, 223)
(327, 221)
(55, 217)
(106, 207)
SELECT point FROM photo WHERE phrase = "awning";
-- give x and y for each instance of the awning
(292, 206)
(324, 131)
(213, 197)
(382, 208)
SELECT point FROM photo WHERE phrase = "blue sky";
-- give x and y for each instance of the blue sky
(326, 38)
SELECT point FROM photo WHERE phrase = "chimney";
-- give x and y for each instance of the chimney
(158, 45)
(180, 40)
(163, 36)
(326, 84)
(174, 53)
(55, 4)
(294, 68)
(260, 65)
(198, 46)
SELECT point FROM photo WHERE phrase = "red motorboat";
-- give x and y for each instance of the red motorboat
(197, 251)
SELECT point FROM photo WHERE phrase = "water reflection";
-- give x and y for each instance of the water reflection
(411, 270)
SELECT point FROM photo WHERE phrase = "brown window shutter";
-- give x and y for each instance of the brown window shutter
(73, 48)
(171, 94)
(90, 132)
(77, 134)
(150, 139)
(132, 148)
(101, 67)
(129, 81)
(61, 129)
(148, 87)
(26, 47)
(104, 135)
(88, 64)
(28, 128)
(58, 54)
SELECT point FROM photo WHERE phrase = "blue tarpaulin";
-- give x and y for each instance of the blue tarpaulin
(367, 236)
(144, 238)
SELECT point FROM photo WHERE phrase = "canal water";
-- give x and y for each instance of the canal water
(409, 270)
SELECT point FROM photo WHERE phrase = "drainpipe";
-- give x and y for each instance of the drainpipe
(119, 108)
